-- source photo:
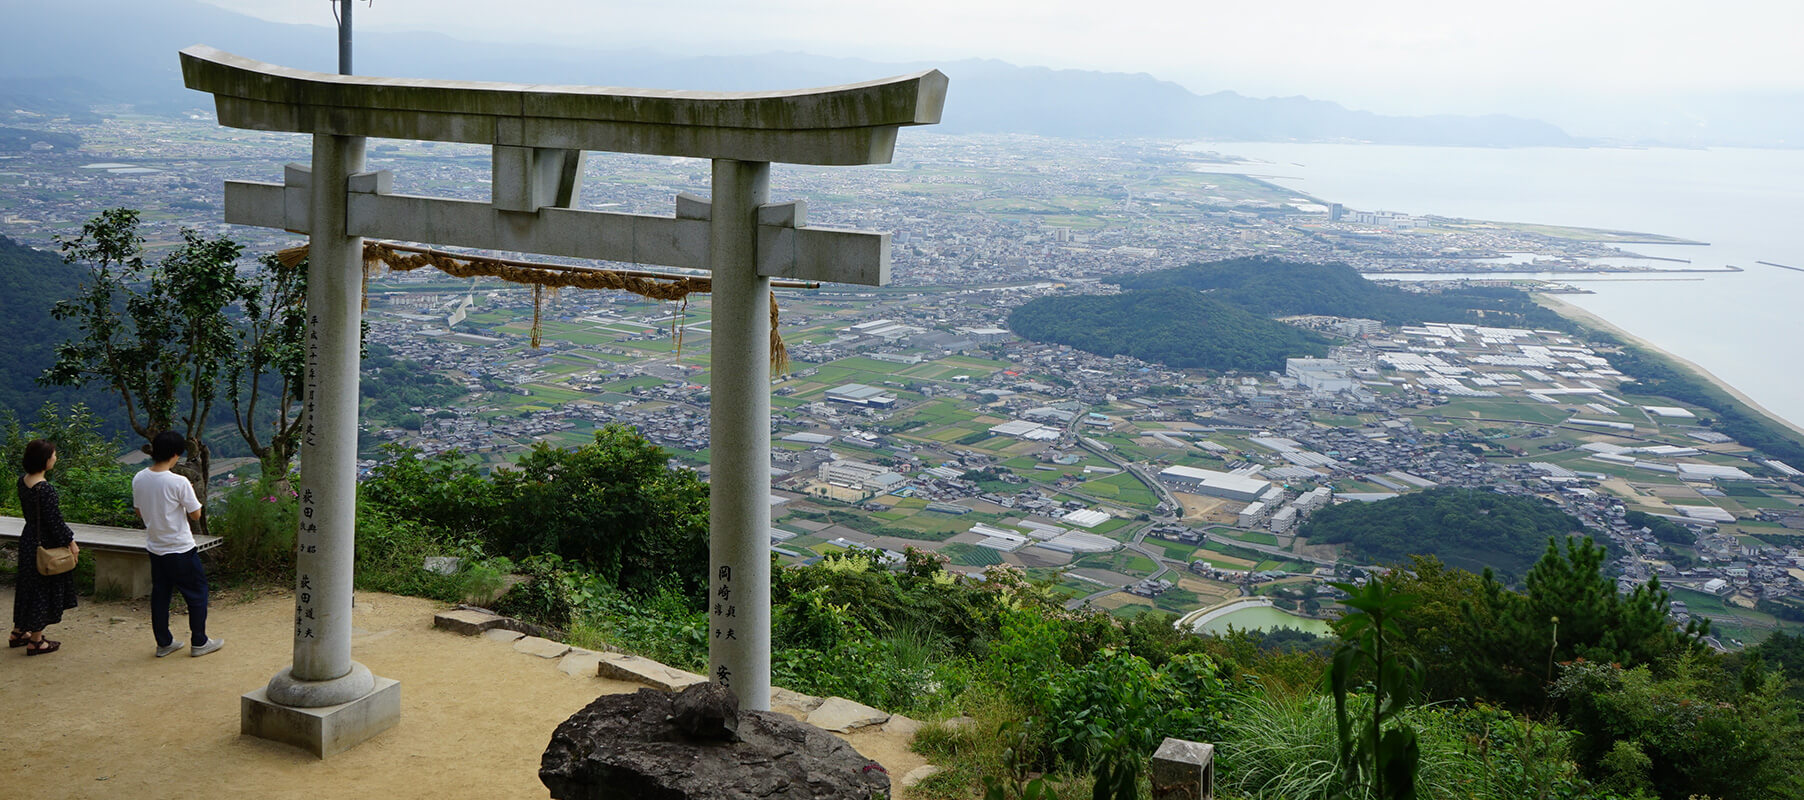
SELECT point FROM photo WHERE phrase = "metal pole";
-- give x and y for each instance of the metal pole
(344, 36)
(739, 424)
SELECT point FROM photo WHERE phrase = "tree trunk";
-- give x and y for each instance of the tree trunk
(197, 469)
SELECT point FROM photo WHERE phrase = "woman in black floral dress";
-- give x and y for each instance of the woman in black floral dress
(39, 600)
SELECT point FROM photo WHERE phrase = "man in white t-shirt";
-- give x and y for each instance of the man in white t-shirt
(165, 501)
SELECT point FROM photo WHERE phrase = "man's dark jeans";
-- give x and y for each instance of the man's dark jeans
(167, 574)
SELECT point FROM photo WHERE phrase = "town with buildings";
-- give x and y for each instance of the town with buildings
(911, 417)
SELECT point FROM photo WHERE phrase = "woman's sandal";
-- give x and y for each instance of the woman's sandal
(17, 640)
(41, 647)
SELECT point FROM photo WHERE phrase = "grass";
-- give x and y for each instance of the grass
(971, 555)
(1255, 537)
(1122, 488)
(1176, 551)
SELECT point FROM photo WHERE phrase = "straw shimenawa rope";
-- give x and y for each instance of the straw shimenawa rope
(401, 258)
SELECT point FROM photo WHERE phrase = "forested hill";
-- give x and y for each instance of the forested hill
(30, 282)
(1182, 329)
(1465, 528)
(1279, 288)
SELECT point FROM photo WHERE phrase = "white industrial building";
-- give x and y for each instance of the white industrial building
(859, 394)
(1713, 472)
(1086, 518)
(859, 475)
(1214, 484)
(1031, 431)
(887, 330)
(1324, 375)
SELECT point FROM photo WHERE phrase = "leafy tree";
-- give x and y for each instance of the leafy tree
(1435, 631)
(613, 505)
(167, 354)
(1568, 610)
(1663, 529)
(94, 488)
(447, 492)
(268, 377)
(1473, 529)
(1686, 733)
(1785, 652)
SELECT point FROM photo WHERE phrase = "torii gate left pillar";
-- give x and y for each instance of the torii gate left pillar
(326, 702)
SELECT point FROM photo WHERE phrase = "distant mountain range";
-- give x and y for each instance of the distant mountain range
(59, 58)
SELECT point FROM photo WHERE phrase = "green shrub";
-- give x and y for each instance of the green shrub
(391, 554)
(1283, 746)
(482, 582)
(257, 522)
(665, 627)
(1701, 734)
(1118, 706)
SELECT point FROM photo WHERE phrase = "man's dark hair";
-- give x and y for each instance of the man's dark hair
(167, 445)
(37, 455)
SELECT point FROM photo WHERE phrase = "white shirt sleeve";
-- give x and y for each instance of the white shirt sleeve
(190, 503)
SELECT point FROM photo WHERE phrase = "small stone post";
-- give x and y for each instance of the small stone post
(739, 445)
(1183, 770)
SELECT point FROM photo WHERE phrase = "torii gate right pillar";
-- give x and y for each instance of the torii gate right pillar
(739, 426)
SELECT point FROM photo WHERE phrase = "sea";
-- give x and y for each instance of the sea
(1746, 205)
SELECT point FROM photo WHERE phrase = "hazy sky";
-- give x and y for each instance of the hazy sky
(1393, 56)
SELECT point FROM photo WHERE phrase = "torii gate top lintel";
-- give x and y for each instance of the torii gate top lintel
(845, 125)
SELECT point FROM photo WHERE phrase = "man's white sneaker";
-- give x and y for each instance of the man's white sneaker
(210, 646)
(169, 649)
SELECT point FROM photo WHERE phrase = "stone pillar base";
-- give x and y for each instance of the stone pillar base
(323, 731)
(126, 573)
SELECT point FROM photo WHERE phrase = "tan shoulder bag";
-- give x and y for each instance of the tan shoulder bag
(52, 560)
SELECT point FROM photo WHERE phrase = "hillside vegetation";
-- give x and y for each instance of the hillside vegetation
(1216, 315)
(30, 281)
(1179, 328)
(1466, 528)
(1277, 288)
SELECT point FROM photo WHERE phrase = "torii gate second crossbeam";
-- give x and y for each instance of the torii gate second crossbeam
(326, 702)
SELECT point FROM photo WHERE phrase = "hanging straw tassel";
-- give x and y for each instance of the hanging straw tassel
(676, 324)
(779, 354)
(403, 258)
(292, 257)
(538, 302)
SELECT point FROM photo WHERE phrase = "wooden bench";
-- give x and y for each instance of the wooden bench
(120, 558)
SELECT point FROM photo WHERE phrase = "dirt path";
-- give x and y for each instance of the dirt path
(103, 718)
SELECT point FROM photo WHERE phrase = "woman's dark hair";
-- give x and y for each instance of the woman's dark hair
(37, 455)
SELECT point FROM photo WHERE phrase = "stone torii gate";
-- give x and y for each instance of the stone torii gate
(326, 702)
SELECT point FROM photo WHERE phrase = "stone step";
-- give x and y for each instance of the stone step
(840, 715)
(622, 667)
(466, 622)
(543, 648)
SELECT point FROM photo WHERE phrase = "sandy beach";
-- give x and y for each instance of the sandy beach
(1589, 319)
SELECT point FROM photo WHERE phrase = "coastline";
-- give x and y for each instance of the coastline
(1591, 320)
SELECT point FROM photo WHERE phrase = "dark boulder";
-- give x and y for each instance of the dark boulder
(640, 746)
(706, 711)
